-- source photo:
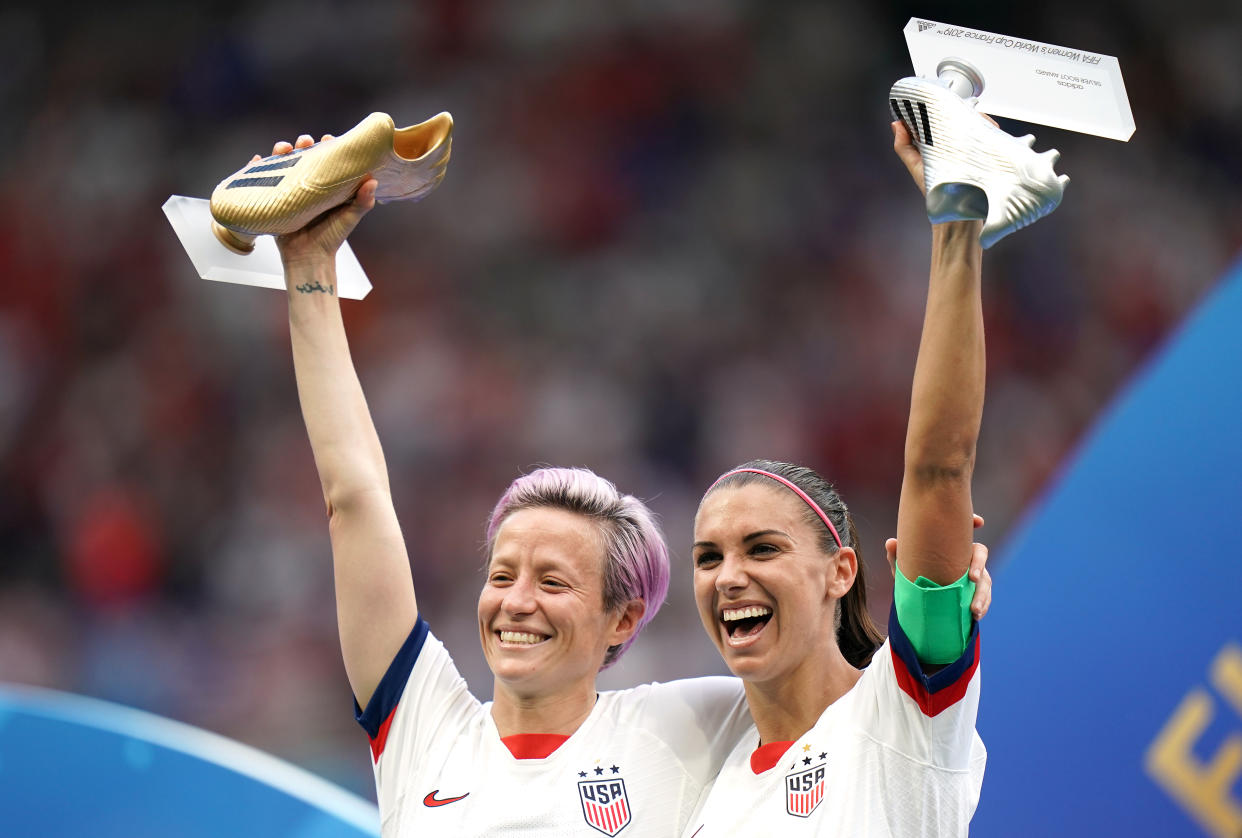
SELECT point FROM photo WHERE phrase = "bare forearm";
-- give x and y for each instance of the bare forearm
(946, 408)
(947, 397)
(376, 606)
(346, 447)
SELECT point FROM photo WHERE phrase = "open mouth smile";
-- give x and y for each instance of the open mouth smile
(744, 624)
(517, 639)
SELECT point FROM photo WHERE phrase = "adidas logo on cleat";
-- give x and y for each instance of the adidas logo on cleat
(919, 128)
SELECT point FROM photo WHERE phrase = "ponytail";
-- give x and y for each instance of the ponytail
(857, 634)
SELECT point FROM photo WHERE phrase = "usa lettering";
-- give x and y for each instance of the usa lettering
(603, 793)
(806, 781)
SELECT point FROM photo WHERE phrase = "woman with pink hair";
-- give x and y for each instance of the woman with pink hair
(575, 570)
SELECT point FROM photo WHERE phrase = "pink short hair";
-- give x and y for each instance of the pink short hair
(636, 564)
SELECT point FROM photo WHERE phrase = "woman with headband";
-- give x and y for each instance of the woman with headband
(855, 735)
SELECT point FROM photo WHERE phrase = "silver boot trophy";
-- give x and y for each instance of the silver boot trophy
(973, 169)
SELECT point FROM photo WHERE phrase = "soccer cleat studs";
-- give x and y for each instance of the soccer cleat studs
(283, 193)
(971, 168)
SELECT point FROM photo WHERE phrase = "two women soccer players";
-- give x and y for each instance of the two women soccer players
(828, 728)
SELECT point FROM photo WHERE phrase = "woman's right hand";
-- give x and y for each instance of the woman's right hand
(320, 239)
(978, 573)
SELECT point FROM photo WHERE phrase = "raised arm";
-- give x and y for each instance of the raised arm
(934, 521)
(375, 603)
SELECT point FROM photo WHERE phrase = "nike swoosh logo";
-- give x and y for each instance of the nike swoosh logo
(432, 800)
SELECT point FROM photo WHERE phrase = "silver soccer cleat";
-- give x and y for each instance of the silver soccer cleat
(971, 168)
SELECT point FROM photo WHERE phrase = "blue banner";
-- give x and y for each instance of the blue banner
(1112, 660)
(72, 766)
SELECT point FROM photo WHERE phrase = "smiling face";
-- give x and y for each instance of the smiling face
(765, 590)
(541, 617)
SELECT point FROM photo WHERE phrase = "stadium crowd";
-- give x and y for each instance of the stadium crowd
(666, 229)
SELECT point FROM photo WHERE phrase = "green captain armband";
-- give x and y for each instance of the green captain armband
(936, 618)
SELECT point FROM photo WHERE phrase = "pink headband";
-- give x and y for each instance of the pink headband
(788, 483)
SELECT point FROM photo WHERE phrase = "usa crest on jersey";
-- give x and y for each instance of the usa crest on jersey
(804, 790)
(605, 804)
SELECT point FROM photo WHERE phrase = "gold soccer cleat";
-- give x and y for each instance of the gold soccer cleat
(283, 193)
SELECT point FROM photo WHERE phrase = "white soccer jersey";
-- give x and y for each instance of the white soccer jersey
(636, 766)
(896, 756)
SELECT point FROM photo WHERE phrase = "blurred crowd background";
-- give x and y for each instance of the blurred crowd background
(673, 237)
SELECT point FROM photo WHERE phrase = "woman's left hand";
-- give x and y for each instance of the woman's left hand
(908, 152)
(978, 572)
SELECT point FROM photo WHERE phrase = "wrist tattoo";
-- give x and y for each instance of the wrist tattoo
(330, 290)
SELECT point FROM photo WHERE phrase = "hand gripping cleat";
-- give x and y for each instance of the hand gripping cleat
(283, 193)
(971, 168)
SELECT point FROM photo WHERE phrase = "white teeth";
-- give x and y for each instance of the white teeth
(520, 637)
(745, 613)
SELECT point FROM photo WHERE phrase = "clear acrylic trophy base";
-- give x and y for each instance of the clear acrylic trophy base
(191, 221)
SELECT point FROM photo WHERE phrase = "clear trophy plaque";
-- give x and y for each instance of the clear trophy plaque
(1025, 80)
(191, 221)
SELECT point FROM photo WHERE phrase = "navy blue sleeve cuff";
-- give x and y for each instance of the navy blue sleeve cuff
(946, 677)
(392, 685)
